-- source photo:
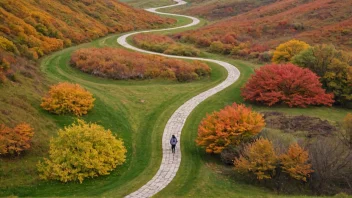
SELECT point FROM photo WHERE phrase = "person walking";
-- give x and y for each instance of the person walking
(173, 143)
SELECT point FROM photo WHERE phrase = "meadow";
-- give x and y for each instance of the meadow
(137, 111)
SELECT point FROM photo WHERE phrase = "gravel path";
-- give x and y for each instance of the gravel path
(171, 162)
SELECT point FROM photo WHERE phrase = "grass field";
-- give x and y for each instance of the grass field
(137, 111)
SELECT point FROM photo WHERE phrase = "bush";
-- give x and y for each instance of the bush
(259, 158)
(164, 44)
(228, 127)
(288, 84)
(182, 50)
(15, 140)
(123, 64)
(333, 66)
(295, 163)
(217, 47)
(82, 150)
(286, 51)
(331, 160)
(66, 98)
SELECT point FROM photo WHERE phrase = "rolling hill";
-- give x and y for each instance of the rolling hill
(313, 21)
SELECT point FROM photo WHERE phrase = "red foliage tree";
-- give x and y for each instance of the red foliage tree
(286, 83)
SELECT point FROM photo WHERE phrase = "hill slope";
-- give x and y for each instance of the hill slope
(314, 21)
(30, 29)
(39, 27)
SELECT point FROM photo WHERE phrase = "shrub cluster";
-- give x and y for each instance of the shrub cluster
(15, 140)
(66, 98)
(164, 44)
(123, 64)
(80, 151)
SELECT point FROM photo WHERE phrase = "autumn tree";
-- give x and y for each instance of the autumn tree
(228, 127)
(82, 150)
(333, 68)
(15, 140)
(286, 51)
(258, 158)
(66, 98)
(286, 83)
(295, 163)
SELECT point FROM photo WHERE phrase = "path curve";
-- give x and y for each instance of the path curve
(171, 163)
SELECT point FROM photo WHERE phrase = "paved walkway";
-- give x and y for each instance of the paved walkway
(171, 162)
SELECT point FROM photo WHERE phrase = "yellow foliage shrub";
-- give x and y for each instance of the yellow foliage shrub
(82, 150)
(15, 140)
(286, 51)
(66, 98)
(7, 45)
(259, 158)
(295, 163)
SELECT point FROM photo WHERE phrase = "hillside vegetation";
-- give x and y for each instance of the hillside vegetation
(30, 29)
(313, 21)
(219, 9)
(33, 29)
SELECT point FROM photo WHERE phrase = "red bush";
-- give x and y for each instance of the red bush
(286, 83)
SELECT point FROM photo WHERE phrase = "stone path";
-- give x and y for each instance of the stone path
(171, 162)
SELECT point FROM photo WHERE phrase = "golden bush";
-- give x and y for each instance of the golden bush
(66, 98)
(82, 150)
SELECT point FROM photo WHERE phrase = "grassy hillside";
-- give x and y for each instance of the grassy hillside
(323, 21)
(39, 27)
(30, 29)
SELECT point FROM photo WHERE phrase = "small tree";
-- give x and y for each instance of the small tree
(66, 98)
(258, 158)
(295, 163)
(228, 127)
(80, 151)
(286, 51)
(286, 83)
(15, 140)
(333, 68)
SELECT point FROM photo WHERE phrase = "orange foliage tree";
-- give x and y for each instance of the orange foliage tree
(286, 83)
(258, 158)
(286, 51)
(15, 140)
(295, 163)
(228, 127)
(66, 98)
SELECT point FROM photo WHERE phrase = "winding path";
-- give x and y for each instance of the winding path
(171, 163)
